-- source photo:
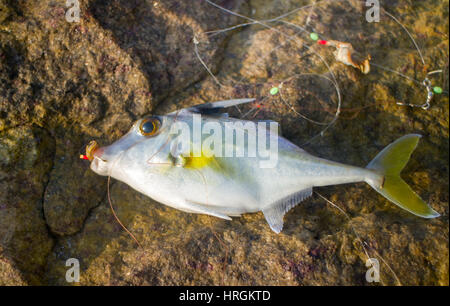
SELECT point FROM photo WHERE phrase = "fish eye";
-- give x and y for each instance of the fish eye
(149, 126)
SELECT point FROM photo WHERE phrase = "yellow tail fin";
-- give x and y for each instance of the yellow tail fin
(390, 162)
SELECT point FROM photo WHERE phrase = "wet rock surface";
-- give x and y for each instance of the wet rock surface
(26, 159)
(63, 84)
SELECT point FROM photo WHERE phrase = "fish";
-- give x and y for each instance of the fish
(150, 159)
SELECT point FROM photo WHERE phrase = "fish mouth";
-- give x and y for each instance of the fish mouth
(95, 154)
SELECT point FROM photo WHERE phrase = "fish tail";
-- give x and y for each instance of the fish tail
(389, 163)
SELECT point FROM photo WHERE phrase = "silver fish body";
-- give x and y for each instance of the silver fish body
(207, 183)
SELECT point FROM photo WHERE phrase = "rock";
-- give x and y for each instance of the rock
(25, 160)
(108, 73)
(5, 11)
(73, 189)
(63, 84)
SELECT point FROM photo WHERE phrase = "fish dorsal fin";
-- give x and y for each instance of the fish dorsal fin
(274, 213)
(216, 107)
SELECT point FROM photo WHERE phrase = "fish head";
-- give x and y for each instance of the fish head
(147, 137)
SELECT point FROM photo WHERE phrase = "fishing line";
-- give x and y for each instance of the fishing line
(384, 261)
(289, 38)
(292, 108)
(426, 82)
(206, 189)
(196, 42)
(280, 90)
(215, 32)
(362, 242)
(409, 34)
(117, 218)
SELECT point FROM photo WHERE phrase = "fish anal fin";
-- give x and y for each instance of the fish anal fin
(275, 212)
(199, 208)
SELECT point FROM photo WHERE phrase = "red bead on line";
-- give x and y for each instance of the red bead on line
(322, 42)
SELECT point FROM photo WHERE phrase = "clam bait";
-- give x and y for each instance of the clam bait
(149, 159)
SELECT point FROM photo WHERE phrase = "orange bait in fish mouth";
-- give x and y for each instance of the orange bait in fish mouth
(90, 149)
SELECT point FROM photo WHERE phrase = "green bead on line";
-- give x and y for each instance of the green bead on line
(274, 91)
(437, 90)
(314, 36)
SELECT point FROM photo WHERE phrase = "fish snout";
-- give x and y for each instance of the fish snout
(95, 154)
